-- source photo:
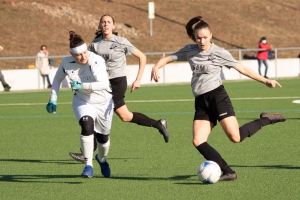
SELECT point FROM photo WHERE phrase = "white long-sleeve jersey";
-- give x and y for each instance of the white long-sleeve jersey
(93, 72)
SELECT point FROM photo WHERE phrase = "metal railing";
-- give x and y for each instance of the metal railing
(168, 53)
(163, 54)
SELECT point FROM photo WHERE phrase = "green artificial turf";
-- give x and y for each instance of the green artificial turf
(34, 146)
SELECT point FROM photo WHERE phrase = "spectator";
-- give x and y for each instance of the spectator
(262, 56)
(42, 63)
(5, 85)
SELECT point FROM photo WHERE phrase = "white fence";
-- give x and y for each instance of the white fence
(177, 72)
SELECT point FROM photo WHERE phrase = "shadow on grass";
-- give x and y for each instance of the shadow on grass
(65, 162)
(173, 178)
(60, 162)
(51, 178)
(39, 178)
(57, 178)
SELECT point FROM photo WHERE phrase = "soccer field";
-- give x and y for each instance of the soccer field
(34, 148)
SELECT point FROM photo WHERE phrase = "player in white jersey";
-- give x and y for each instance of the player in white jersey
(114, 50)
(212, 102)
(92, 102)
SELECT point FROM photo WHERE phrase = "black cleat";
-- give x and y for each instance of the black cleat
(163, 129)
(77, 156)
(228, 177)
(273, 117)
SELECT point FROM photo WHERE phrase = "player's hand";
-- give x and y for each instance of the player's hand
(51, 107)
(155, 74)
(135, 85)
(272, 83)
(76, 85)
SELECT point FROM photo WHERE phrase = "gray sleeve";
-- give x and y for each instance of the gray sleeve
(128, 47)
(227, 59)
(180, 55)
(91, 48)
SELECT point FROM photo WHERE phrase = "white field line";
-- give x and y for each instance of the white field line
(152, 101)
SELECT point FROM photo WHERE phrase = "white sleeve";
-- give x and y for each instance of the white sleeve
(100, 74)
(58, 78)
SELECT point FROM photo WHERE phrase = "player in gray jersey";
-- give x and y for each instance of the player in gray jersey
(92, 102)
(114, 50)
(212, 102)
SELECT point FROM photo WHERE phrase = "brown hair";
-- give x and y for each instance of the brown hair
(262, 38)
(43, 46)
(98, 32)
(200, 24)
(75, 39)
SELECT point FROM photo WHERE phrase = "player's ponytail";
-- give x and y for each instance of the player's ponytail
(200, 24)
(75, 39)
(98, 32)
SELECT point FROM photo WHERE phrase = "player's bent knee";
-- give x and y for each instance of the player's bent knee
(125, 119)
(87, 125)
(102, 139)
(197, 142)
(234, 139)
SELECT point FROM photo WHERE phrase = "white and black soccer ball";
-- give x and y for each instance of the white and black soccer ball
(209, 172)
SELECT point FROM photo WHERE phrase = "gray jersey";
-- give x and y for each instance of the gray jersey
(206, 66)
(114, 51)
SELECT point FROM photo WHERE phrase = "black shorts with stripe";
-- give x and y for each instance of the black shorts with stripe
(213, 105)
(118, 87)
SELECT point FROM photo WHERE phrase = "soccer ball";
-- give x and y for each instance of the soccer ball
(209, 172)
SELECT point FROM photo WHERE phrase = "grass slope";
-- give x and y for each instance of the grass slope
(235, 24)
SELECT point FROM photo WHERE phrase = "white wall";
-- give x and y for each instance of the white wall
(177, 72)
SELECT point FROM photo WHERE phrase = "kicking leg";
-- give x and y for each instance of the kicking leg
(202, 129)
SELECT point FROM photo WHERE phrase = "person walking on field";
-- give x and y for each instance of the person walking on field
(92, 102)
(42, 63)
(212, 102)
(262, 56)
(114, 49)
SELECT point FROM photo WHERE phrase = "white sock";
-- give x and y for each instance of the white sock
(87, 147)
(103, 150)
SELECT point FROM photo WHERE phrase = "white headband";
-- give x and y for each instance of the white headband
(79, 49)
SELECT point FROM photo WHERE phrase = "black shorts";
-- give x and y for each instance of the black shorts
(213, 105)
(118, 87)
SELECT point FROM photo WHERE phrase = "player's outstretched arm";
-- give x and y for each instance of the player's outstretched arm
(142, 63)
(161, 63)
(255, 76)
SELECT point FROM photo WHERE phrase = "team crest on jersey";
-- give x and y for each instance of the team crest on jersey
(211, 57)
(72, 74)
(113, 46)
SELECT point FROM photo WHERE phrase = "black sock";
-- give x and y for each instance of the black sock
(209, 153)
(247, 130)
(143, 120)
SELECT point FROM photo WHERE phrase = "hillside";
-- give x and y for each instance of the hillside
(26, 24)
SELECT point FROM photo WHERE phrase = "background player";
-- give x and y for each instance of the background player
(114, 50)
